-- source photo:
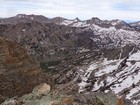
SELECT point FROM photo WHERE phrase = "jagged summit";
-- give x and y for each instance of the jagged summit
(20, 15)
(25, 16)
(77, 19)
(95, 19)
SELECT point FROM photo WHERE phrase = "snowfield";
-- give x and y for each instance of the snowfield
(123, 82)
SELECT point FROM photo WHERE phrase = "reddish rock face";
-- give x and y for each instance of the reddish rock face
(19, 73)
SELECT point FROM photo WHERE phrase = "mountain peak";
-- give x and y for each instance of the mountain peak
(77, 19)
(20, 15)
(117, 21)
(95, 19)
(26, 16)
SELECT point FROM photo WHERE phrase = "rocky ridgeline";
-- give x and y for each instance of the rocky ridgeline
(19, 73)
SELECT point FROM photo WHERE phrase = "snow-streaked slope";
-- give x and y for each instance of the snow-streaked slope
(66, 22)
(116, 31)
(136, 24)
(121, 35)
(74, 23)
(108, 76)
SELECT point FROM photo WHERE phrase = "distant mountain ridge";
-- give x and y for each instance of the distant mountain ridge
(62, 21)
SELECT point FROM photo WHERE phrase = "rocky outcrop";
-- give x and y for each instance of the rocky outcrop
(57, 99)
(42, 89)
(41, 95)
(53, 98)
(19, 73)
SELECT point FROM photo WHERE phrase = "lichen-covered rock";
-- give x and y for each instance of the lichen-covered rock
(10, 102)
(41, 95)
(19, 73)
(107, 98)
(42, 89)
(67, 101)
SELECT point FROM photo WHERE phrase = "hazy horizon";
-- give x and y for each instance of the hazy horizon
(127, 10)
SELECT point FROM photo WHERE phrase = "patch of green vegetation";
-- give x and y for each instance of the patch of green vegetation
(44, 66)
(53, 63)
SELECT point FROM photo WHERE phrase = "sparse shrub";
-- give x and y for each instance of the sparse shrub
(44, 66)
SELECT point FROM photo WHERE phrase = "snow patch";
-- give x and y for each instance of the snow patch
(32, 18)
(67, 22)
(23, 30)
(132, 92)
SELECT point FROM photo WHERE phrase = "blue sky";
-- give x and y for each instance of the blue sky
(84, 9)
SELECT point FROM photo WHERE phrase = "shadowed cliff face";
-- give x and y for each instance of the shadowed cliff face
(19, 73)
